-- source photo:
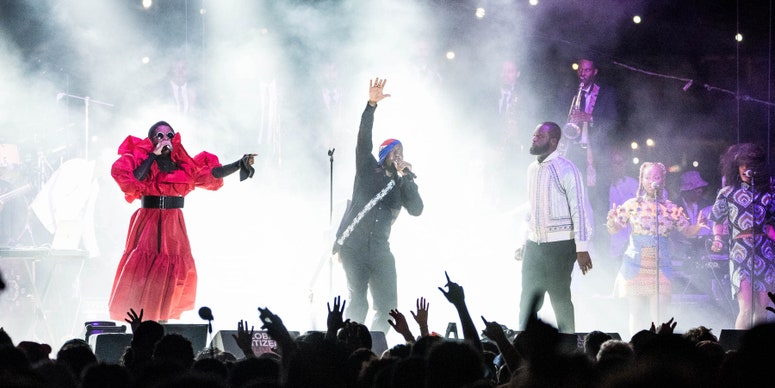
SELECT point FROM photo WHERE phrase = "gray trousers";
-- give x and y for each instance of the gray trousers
(372, 269)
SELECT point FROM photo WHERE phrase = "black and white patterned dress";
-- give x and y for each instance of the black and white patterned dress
(747, 212)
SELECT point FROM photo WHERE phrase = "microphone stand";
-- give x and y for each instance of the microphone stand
(210, 336)
(86, 102)
(331, 185)
(753, 250)
(328, 257)
(656, 253)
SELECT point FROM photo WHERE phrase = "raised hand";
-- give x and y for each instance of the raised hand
(375, 90)
(664, 328)
(455, 295)
(249, 159)
(400, 325)
(276, 329)
(334, 322)
(134, 319)
(615, 223)
(494, 331)
(269, 320)
(244, 338)
(422, 316)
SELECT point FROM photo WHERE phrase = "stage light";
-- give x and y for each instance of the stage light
(202, 11)
(634, 145)
(575, 66)
(739, 37)
(450, 55)
(635, 161)
(147, 4)
(533, 2)
(636, 19)
(650, 142)
(479, 13)
(145, 60)
(695, 164)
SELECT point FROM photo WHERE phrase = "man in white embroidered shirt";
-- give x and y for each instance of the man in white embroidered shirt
(559, 230)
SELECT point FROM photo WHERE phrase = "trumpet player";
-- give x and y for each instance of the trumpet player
(593, 113)
(590, 123)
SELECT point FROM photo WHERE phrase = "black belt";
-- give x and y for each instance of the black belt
(163, 202)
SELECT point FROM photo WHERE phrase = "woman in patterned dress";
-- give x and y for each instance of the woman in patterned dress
(637, 278)
(745, 204)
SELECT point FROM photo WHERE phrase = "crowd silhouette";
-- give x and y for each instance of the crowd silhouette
(539, 356)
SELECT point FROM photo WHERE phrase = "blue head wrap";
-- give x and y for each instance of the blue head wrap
(385, 149)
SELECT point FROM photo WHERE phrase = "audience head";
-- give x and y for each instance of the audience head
(211, 367)
(423, 346)
(174, 348)
(592, 342)
(354, 336)
(398, 351)
(254, 370)
(700, 333)
(614, 356)
(409, 373)
(454, 364)
(35, 352)
(76, 355)
(106, 375)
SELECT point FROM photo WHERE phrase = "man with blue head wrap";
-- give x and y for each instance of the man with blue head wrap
(382, 187)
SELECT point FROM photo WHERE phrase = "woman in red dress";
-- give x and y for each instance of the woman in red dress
(157, 272)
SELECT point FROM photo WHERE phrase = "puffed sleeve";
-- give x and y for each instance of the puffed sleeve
(205, 162)
(132, 152)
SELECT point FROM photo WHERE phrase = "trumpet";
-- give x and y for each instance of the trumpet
(571, 130)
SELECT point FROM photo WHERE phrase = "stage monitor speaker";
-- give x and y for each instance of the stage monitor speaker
(262, 342)
(109, 347)
(196, 333)
(730, 339)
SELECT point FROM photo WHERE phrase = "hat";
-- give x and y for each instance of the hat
(691, 180)
(385, 148)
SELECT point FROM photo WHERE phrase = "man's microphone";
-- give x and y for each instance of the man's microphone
(409, 172)
(749, 173)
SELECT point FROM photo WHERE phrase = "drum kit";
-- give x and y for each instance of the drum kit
(22, 174)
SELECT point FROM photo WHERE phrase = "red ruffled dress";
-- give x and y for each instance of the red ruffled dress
(157, 272)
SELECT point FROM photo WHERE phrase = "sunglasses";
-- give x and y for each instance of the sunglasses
(160, 135)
